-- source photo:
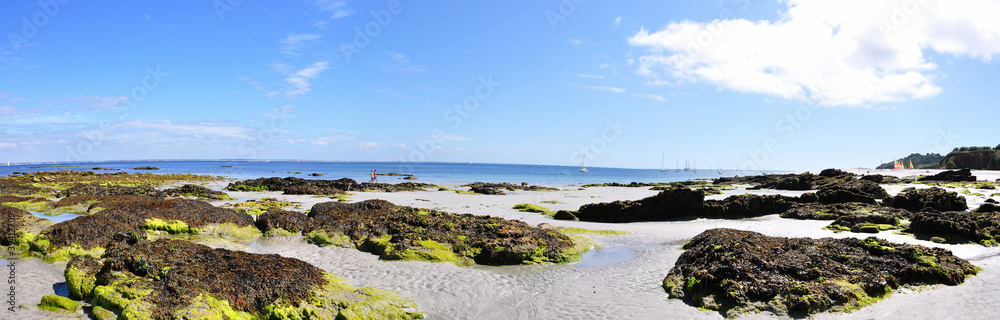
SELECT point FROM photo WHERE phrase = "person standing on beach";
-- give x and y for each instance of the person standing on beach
(375, 175)
(371, 176)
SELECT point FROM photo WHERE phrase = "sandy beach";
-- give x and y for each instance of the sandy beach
(621, 279)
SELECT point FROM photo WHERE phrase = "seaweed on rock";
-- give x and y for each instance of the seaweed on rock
(737, 272)
(169, 279)
(399, 232)
(931, 198)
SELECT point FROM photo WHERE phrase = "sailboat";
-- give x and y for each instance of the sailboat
(687, 165)
(720, 167)
(695, 169)
(677, 166)
(469, 161)
(583, 164)
(663, 168)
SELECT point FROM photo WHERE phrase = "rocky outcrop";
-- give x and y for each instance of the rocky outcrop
(987, 207)
(487, 190)
(192, 190)
(814, 211)
(398, 232)
(932, 198)
(952, 176)
(292, 185)
(139, 214)
(97, 189)
(19, 226)
(169, 279)
(666, 205)
(979, 227)
(738, 272)
(509, 186)
(674, 204)
(851, 190)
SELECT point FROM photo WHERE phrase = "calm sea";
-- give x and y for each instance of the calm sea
(424, 171)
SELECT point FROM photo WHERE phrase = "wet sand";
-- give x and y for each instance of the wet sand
(620, 281)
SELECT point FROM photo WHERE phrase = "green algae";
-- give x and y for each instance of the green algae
(67, 253)
(432, 251)
(80, 284)
(527, 207)
(229, 230)
(102, 314)
(207, 307)
(322, 238)
(57, 303)
(172, 226)
(339, 300)
(36, 206)
(123, 300)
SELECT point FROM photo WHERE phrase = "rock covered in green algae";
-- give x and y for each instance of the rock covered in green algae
(202, 192)
(57, 303)
(165, 279)
(139, 214)
(815, 211)
(19, 227)
(961, 226)
(738, 272)
(933, 198)
(851, 190)
(398, 232)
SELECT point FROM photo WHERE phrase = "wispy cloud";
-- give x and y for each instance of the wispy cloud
(398, 63)
(299, 81)
(589, 76)
(327, 140)
(449, 137)
(652, 96)
(575, 42)
(610, 89)
(337, 9)
(90, 102)
(368, 145)
(259, 87)
(294, 44)
(618, 21)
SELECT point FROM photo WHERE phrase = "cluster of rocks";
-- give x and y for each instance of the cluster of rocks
(489, 188)
(962, 175)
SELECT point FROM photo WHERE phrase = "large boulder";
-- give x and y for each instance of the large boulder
(952, 176)
(738, 272)
(747, 206)
(276, 222)
(812, 211)
(931, 198)
(170, 279)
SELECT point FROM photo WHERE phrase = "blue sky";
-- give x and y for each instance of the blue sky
(746, 84)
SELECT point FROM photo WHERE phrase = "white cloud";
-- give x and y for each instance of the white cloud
(652, 96)
(7, 145)
(398, 63)
(611, 89)
(299, 81)
(293, 44)
(368, 145)
(401, 146)
(90, 101)
(336, 8)
(259, 87)
(834, 53)
(183, 128)
(575, 42)
(618, 21)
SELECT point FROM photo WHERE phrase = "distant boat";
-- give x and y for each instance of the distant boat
(720, 167)
(583, 164)
(687, 165)
(663, 168)
(677, 166)
(539, 166)
(695, 169)
(468, 162)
